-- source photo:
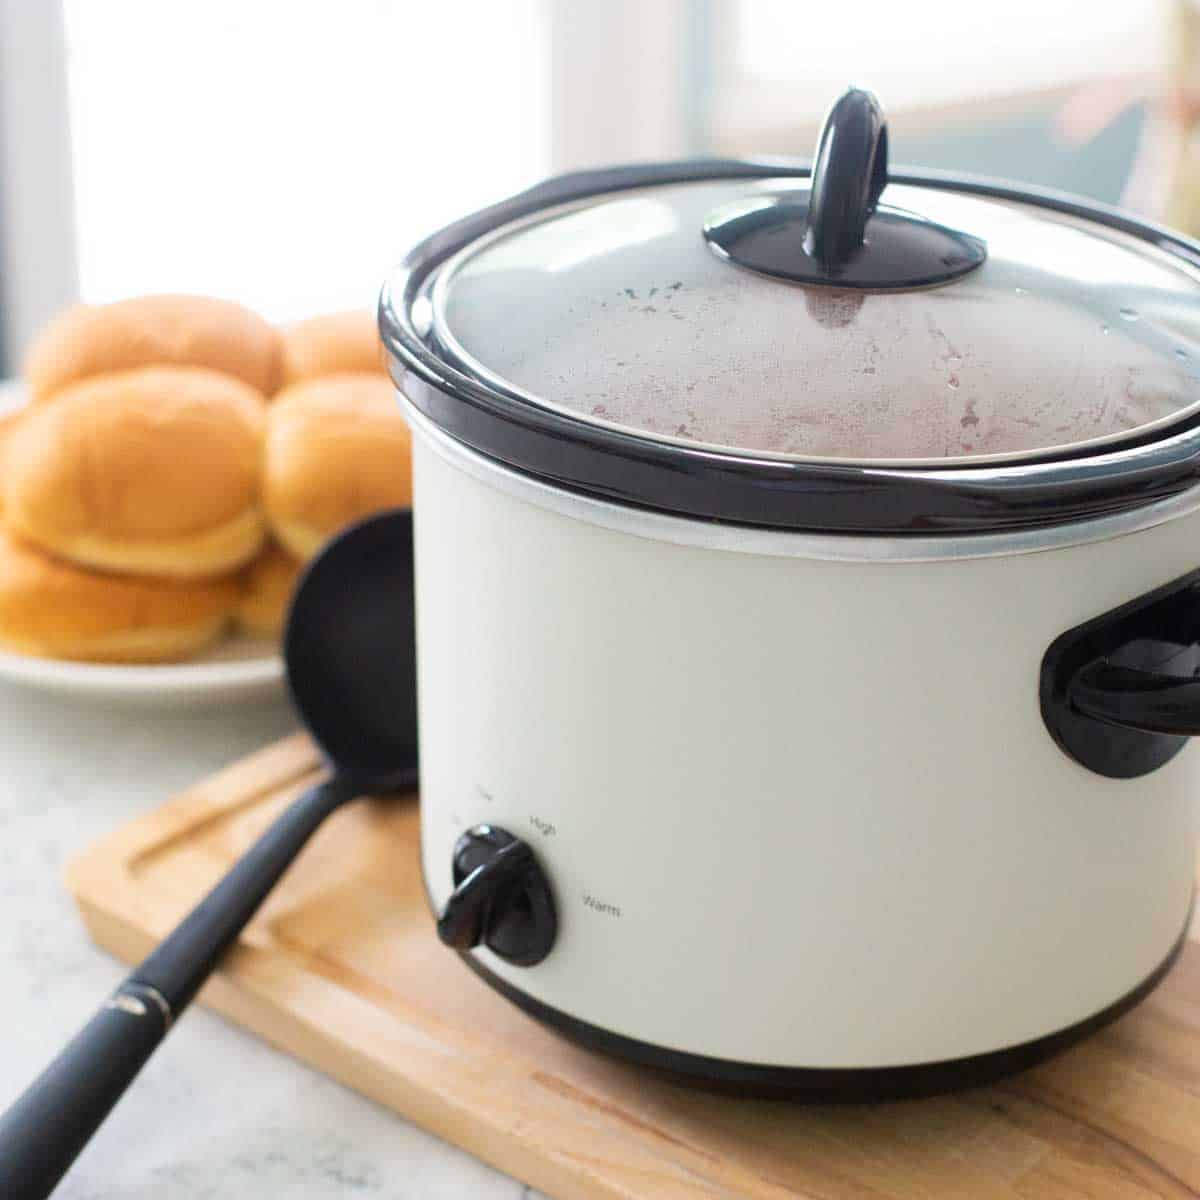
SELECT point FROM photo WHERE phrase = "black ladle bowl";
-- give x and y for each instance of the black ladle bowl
(350, 652)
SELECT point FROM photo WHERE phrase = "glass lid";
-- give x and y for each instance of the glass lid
(833, 319)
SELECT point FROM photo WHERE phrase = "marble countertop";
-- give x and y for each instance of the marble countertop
(215, 1113)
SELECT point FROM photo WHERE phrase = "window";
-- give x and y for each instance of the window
(780, 63)
(286, 153)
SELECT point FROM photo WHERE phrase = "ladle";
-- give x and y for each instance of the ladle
(351, 669)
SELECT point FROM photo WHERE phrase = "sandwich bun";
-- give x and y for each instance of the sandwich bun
(154, 471)
(8, 422)
(52, 609)
(172, 330)
(267, 587)
(333, 344)
(337, 451)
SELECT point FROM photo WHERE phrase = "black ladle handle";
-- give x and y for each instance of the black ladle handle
(47, 1126)
(1137, 699)
(849, 172)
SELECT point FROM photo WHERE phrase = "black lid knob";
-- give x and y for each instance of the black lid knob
(836, 233)
(849, 172)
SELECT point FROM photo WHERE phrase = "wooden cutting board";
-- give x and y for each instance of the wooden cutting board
(342, 969)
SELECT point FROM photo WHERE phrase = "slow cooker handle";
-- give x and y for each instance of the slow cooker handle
(1137, 699)
(1120, 693)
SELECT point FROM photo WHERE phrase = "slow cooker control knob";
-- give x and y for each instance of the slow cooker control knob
(501, 898)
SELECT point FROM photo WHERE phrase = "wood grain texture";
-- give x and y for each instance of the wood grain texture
(342, 969)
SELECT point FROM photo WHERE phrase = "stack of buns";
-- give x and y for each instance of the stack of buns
(336, 450)
(179, 459)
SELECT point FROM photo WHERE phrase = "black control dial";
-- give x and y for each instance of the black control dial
(501, 898)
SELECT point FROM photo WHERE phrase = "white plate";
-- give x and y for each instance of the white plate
(235, 669)
(238, 668)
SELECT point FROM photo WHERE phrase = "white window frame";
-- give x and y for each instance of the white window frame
(38, 268)
(616, 67)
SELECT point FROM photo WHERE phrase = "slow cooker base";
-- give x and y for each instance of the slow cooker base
(826, 1085)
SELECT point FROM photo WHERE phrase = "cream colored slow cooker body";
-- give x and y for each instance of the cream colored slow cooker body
(793, 793)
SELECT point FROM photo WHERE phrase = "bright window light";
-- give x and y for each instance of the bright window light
(285, 153)
(929, 52)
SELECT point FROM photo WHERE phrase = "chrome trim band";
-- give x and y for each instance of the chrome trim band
(131, 998)
(780, 543)
(152, 993)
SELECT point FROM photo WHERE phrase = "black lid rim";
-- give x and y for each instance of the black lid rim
(744, 489)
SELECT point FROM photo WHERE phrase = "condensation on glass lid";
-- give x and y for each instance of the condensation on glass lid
(1069, 334)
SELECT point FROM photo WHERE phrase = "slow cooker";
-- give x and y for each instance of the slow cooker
(807, 572)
